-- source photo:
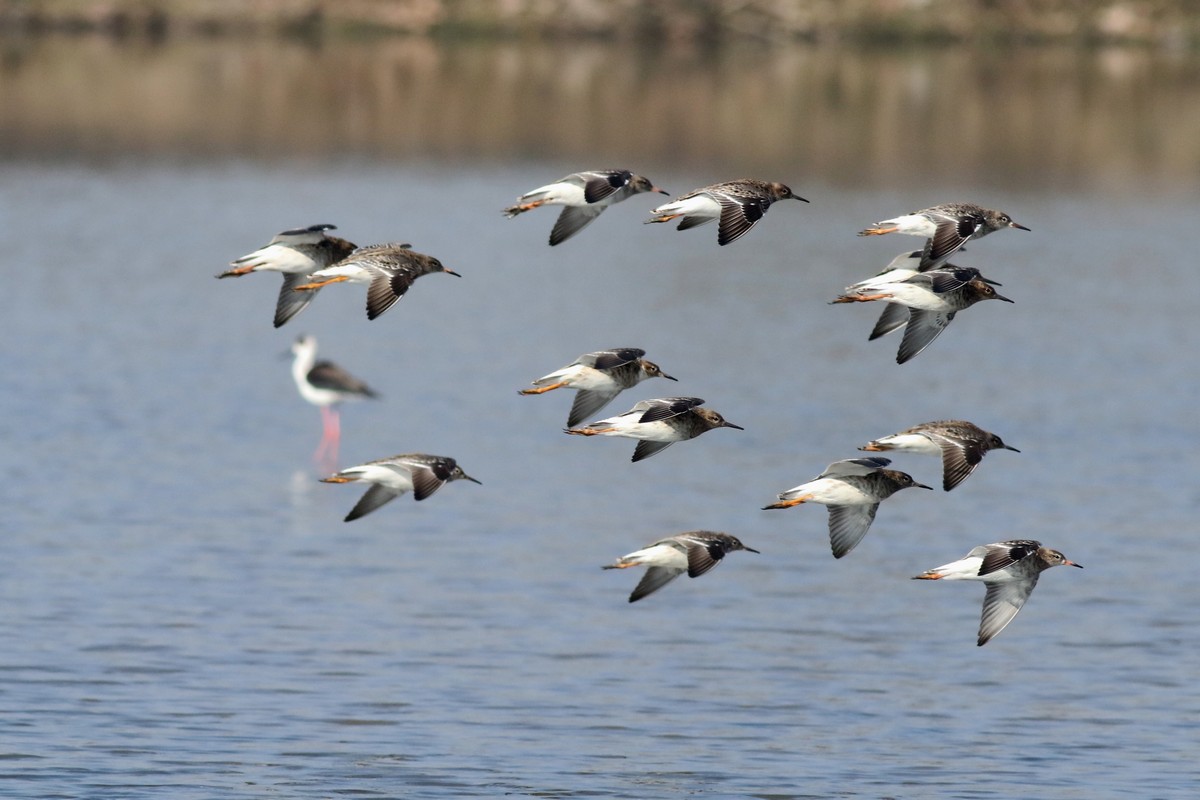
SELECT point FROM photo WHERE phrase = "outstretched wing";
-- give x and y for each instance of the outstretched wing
(848, 525)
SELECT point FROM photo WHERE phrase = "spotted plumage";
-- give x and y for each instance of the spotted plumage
(739, 205)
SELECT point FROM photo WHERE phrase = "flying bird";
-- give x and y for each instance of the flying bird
(598, 378)
(852, 489)
(420, 473)
(296, 253)
(584, 195)
(1009, 569)
(693, 552)
(737, 204)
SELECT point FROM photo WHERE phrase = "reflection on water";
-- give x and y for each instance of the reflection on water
(1058, 117)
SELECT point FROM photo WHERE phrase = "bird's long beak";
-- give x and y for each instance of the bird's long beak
(451, 272)
(1002, 297)
(660, 191)
(798, 197)
(668, 377)
(1010, 447)
(1072, 564)
(921, 485)
(472, 480)
(1017, 225)
(731, 425)
(750, 549)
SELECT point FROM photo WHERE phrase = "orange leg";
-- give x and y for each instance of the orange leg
(541, 389)
(589, 431)
(874, 448)
(787, 503)
(335, 479)
(664, 218)
(928, 576)
(233, 273)
(878, 231)
(862, 298)
(318, 284)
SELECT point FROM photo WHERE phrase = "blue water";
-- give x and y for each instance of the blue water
(184, 613)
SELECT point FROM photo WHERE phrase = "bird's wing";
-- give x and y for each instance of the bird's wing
(571, 221)
(609, 359)
(959, 458)
(375, 497)
(588, 402)
(654, 579)
(923, 327)
(646, 448)
(855, 466)
(894, 316)
(290, 301)
(703, 555)
(386, 287)
(848, 525)
(950, 235)
(602, 184)
(425, 480)
(738, 215)
(1001, 604)
(667, 407)
(1001, 555)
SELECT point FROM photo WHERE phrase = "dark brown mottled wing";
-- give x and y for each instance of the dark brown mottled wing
(425, 482)
(608, 359)
(1007, 553)
(959, 459)
(668, 407)
(385, 289)
(950, 235)
(738, 215)
(604, 184)
(703, 556)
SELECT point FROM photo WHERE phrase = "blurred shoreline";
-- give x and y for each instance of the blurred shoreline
(955, 115)
(1157, 23)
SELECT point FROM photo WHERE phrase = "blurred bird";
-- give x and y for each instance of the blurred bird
(325, 385)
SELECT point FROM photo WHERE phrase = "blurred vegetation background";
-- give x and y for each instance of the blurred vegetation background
(1149, 22)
